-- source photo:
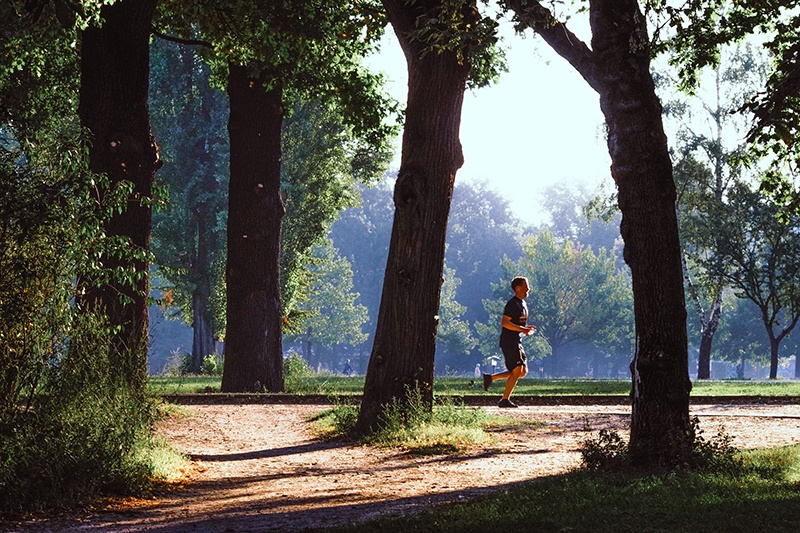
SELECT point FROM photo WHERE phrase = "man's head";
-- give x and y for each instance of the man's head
(520, 287)
(519, 280)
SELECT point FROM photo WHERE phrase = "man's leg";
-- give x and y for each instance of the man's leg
(511, 381)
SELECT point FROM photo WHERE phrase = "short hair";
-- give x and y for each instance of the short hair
(518, 281)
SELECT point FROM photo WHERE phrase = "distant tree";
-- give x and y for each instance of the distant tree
(330, 313)
(758, 257)
(707, 162)
(188, 234)
(741, 336)
(362, 235)
(454, 339)
(571, 219)
(481, 230)
(575, 295)
(322, 163)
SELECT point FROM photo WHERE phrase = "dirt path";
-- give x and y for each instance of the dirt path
(259, 468)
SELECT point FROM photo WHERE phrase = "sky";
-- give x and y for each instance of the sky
(539, 125)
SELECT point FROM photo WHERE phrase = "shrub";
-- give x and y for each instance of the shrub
(609, 451)
(295, 373)
(83, 436)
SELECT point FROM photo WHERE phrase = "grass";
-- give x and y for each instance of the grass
(763, 494)
(449, 428)
(450, 386)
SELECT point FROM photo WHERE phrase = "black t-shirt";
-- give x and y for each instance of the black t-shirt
(517, 311)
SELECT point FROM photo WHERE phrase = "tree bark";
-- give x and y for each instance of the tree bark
(253, 338)
(405, 339)
(642, 170)
(617, 67)
(115, 63)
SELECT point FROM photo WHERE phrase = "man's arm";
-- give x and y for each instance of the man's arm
(508, 324)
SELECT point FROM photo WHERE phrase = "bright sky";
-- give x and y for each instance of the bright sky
(539, 125)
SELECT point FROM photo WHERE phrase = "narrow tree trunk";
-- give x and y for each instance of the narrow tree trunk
(642, 170)
(403, 351)
(253, 339)
(774, 347)
(115, 69)
(204, 216)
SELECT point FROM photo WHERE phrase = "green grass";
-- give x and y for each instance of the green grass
(762, 495)
(448, 386)
(448, 428)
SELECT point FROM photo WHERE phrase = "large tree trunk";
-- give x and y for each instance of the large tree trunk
(642, 170)
(618, 68)
(115, 70)
(253, 338)
(405, 340)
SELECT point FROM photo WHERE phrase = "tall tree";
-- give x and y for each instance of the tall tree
(269, 53)
(440, 40)
(707, 163)
(700, 27)
(115, 63)
(617, 66)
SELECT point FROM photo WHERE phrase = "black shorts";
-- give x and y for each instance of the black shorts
(514, 355)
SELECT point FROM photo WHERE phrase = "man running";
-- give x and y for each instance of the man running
(513, 328)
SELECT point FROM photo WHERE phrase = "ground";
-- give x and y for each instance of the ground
(260, 467)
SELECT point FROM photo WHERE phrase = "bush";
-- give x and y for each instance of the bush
(85, 434)
(609, 451)
(295, 373)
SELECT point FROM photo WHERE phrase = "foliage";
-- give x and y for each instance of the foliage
(295, 372)
(188, 118)
(699, 28)
(322, 161)
(313, 48)
(453, 335)
(86, 432)
(609, 451)
(575, 294)
(330, 313)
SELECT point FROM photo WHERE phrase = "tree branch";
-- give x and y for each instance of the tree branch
(190, 42)
(531, 14)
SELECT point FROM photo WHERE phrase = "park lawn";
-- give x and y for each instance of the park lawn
(459, 386)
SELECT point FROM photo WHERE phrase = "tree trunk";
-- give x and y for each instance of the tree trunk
(115, 70)
(253, 339)
(774, 347)
(405, 339)
(642, 170)
(618, 68)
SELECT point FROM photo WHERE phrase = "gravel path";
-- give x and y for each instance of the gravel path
(259, 467)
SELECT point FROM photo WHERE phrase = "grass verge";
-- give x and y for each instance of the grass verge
(448, 386)
(761, 494)
(448, 428)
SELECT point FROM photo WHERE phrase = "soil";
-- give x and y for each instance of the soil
(260, 467)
